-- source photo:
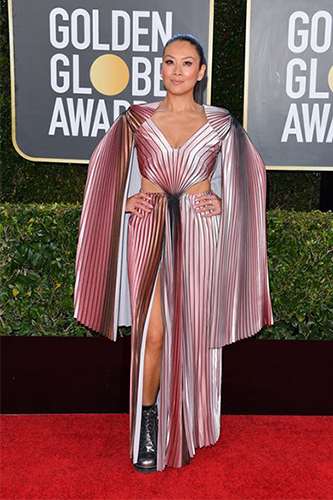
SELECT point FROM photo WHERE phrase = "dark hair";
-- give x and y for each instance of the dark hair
(200, 86)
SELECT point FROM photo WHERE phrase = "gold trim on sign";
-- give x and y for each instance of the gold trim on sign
(302, 168)
(246, 102)
(210, 51)
(247, 63)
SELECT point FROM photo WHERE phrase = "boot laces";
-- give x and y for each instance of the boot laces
(148, 425)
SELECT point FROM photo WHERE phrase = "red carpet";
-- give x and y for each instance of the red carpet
(85, 456)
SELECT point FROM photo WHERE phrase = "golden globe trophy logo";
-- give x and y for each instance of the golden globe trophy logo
(77, 65)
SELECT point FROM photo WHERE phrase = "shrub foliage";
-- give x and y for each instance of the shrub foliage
(38, 247)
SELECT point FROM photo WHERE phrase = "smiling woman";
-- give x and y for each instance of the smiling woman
(190, 262)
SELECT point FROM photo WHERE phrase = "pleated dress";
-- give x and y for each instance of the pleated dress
(212, 268)
(190, 387)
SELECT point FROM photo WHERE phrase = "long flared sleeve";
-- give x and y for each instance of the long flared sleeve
(241, 289)
(101, 223)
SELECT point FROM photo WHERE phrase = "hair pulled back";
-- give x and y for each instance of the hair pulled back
(200, 85)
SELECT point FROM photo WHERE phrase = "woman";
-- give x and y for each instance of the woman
(165, 257)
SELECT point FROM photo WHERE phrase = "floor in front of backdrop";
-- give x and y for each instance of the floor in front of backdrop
(85, 456)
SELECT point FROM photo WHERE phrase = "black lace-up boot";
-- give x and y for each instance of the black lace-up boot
(148, 440)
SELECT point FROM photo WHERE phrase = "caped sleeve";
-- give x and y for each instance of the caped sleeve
(100, 228)
(242, 297)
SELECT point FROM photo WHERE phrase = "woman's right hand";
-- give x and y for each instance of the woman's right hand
(137, 203)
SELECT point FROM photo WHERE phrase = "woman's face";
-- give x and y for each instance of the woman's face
(180, 67)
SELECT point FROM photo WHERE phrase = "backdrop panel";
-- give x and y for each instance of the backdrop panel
(288, 108)
(75, 65)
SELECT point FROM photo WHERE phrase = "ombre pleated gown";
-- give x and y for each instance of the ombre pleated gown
(213, 268)
(189, 397)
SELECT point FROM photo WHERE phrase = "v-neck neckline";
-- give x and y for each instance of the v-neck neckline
(188, 139)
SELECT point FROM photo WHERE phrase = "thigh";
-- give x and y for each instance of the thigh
(155, 320)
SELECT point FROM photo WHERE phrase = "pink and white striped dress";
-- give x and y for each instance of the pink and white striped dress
(190, 389)
(213, 269)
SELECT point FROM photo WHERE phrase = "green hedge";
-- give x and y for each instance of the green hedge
(38, 245)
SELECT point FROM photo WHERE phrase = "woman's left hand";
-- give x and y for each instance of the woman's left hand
(208, 204)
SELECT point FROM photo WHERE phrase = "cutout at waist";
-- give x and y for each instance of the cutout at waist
(149, 187)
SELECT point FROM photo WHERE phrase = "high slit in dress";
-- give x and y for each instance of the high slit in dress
(190, 387)
(213, 268)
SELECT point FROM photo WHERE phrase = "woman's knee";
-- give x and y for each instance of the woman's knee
(155, 327)
(154, 339)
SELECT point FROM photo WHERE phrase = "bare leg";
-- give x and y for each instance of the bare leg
(154, 342)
